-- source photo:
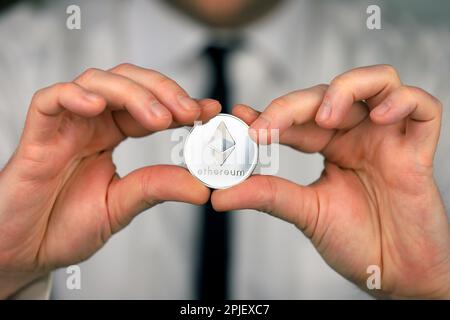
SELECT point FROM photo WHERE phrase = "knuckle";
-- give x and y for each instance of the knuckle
(266, 194)
(416, 91)
(165, 83)
(123, 67)
(62, 86)
(88, 74)
(342, 80)
(316, 92)
(413, 93)
(419, 92)
(38, 95)
(339, 81)
(389, 69)
(406, 92)
(280, 102)
(416, 94)
(54, 89)
(151, 192)
(322, 87)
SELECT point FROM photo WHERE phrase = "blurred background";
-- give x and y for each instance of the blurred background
(284, 45)
(434, 12)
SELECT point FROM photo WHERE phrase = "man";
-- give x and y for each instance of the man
(376, 204)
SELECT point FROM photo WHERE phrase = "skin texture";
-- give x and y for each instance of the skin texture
(224, 14)
(376, 202)
(60, 198)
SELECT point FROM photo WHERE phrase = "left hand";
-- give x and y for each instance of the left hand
(376, 202)
(60, 196)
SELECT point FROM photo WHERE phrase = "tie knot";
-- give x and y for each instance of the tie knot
(217, 55)
(218, 52)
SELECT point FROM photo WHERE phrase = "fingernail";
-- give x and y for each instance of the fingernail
(249, 110)
(159, 110)
(187, 102)
(324, 111)
(92, 97)
(381, 109)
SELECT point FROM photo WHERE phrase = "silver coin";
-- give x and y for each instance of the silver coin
(220, 153)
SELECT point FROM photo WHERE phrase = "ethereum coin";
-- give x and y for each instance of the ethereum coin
(220, 153)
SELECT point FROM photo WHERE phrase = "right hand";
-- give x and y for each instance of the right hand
(60, 196)
(376, 202)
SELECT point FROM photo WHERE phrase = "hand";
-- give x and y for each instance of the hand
(376, 202)
(60, 198)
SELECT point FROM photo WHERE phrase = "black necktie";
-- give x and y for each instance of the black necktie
(215, 229)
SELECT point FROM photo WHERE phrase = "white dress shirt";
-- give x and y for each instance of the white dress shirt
(301, 44)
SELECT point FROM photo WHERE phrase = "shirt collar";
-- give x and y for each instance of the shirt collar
(159, 34)
(278, 35)
(153, 35)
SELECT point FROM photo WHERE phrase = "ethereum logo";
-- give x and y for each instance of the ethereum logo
(221, 143)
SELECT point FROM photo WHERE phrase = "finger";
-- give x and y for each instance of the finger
(130, 127)
(183, 108)
(146, 187)
(122, 93)
(276, 196)
(298, 108)
(422, 111)
(210, 108)
(47, 105)
(249, 115)
(291, 109)
(306, 136)
(245, 113)
(372, 84)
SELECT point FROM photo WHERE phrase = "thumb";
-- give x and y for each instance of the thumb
(279, 197)
(146, 187)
